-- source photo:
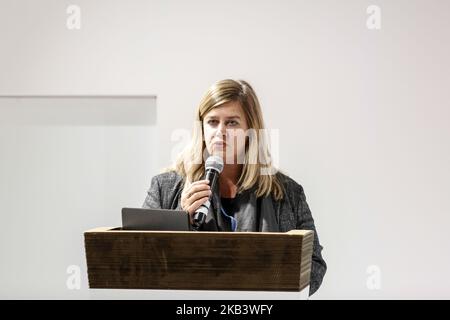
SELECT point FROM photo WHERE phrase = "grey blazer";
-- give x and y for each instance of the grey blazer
(290, 213)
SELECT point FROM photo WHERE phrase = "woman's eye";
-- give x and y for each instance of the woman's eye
(230, 123)
(233, 123)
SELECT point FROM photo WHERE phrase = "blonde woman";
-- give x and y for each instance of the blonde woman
(250, 194)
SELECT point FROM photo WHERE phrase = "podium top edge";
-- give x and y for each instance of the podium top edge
(118, 230)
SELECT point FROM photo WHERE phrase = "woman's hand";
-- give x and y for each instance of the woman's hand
(194, 196)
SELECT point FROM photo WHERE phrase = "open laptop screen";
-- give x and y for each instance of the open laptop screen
(155, 219)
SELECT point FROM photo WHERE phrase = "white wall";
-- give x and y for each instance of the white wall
(58, 180)
(362, 115)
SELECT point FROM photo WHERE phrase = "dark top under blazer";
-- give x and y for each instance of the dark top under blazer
(293, 212)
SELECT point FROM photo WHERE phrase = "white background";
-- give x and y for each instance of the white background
(363, 119)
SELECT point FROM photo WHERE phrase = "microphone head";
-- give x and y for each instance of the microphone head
(215, 163)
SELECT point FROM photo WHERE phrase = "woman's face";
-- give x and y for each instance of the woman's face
(224, 129)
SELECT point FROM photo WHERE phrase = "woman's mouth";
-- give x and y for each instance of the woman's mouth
(219, 143)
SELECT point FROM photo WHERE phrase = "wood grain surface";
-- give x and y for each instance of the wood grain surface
(198, 260)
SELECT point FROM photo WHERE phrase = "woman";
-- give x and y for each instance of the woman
(251, 195)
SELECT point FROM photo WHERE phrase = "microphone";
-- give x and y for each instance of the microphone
(213, 168)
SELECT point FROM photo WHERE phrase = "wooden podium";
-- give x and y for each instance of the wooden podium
(255, 261)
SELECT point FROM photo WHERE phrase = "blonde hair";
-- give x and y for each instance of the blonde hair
(190, 163)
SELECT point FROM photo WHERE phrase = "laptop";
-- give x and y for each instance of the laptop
(155, 219)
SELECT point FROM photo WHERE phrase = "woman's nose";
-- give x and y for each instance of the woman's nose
(221, 130)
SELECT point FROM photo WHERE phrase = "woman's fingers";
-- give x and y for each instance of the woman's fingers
(195, 184)
(195, 205)
(195, 193)
(197, 188)
(192, 201)
(199, 195)
(200, 182)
